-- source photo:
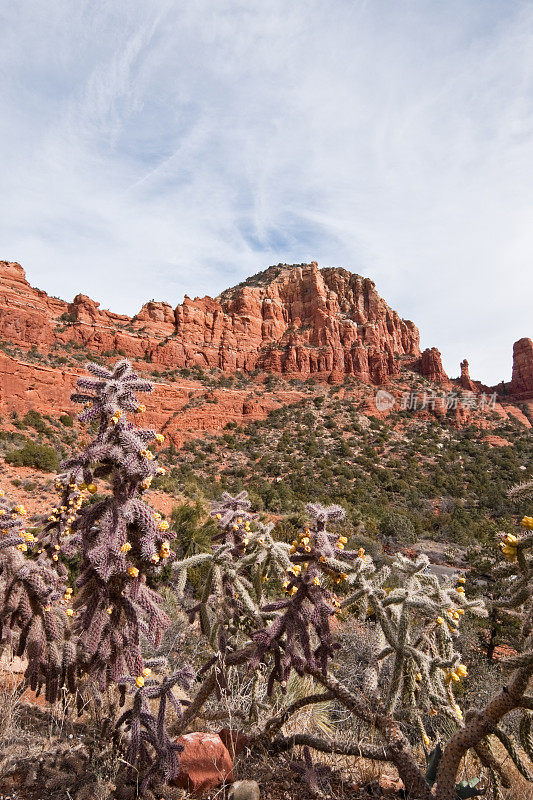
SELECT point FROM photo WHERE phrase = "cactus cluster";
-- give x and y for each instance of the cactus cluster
(264, 604)
(413, 616)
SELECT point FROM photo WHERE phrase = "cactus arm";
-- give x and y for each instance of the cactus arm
(481, 725)
(362, 749)
(395, 741)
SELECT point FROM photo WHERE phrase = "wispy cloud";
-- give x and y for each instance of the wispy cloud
(151, 149)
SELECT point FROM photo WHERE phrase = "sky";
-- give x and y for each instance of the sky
(154, 149)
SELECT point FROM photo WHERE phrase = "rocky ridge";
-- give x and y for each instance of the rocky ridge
(294, 321)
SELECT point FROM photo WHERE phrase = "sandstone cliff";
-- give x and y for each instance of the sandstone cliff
(297, 321)
(300, 321)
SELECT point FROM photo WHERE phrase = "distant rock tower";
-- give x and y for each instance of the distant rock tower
(522, 380)
(465, 379)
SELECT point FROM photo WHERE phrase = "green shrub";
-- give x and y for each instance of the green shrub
(34, 455)
(397, 525)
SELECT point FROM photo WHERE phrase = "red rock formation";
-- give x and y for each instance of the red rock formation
(466, 382)
(298, 320)
(430, 366)
(522, 380)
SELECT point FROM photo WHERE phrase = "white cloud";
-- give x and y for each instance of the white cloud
(153, 149)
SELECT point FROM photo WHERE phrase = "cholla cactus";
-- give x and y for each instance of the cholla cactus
(244, 555)
(415, 665)
(120, 537)
(121, 541)
(147, 731)
(33, 612)
(415, 629)
(300, 636)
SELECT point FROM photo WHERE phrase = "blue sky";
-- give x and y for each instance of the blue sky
(152, 149)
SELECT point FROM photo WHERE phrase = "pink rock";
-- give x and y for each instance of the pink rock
(205, 762)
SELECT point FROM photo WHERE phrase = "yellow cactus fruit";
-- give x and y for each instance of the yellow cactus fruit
(426, 740)
(440, 621)
(163, 526)
(141, 409)
(527, 522)
(133, 572)
(160, 438)
(146, 672)
(109, 610)
(139, 681)
(92, 488)
(70, 612)
(126, 547)
(316, 581)
(461, 580)
(461, 670)
(343, 539)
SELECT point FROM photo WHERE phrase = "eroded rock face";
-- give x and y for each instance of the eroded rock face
(522, 379)
(430, 366)
(297, 320)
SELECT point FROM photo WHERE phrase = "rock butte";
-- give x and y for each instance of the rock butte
(298, 321)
